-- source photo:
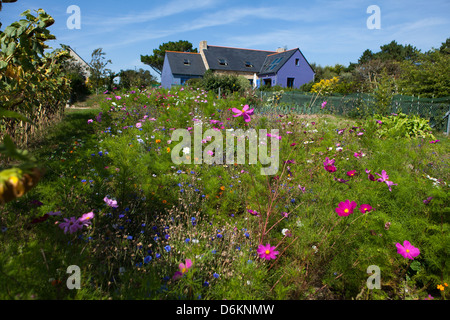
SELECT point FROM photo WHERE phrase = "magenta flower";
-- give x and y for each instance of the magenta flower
(267, 252)
(384, 178)
(330, 168)
(364, 208)
(111, 203)
(253, 212)
(328, 162)
(407, 250)
(351, 173)
(138, 125)
(90, 121)
(183, 268)
(345, 208)
(245, 113)
(324, 104)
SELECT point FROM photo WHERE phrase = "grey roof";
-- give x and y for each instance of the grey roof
(193, 67)
(274, 62)
(235, 59)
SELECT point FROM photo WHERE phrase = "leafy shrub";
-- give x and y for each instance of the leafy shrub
(406, 126)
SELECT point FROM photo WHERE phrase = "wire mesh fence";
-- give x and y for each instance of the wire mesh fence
(357, 105)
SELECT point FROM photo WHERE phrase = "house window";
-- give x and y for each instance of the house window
(290, 82)
(267, 82)
(297, 62)
(223, 62)
(187, 62)
(248, 64)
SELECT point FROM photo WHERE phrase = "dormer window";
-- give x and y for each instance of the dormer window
(187, 62)
(248, 64)
(223, 62)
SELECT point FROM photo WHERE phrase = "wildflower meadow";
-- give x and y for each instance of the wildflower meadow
(353, 211)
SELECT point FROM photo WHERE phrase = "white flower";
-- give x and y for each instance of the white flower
(186, 150)
(283, 232)
(299, 223)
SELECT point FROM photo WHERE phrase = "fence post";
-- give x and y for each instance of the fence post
(448, 120)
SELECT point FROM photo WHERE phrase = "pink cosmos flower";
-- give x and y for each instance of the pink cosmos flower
(407, 250)
(345, 208)
(138, 125)
(111, 203)
(351, 173)
(245, 113)
(90, 121)
(253, 212)
(324, 104)
(364, 208)
(384, 178)
(183, 267)
(86, 218)
(267, 252)
(330, 168)
(328, 162)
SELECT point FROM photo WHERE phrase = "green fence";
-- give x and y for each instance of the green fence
(356, 105)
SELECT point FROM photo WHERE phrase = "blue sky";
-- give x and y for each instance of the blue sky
(327, 32)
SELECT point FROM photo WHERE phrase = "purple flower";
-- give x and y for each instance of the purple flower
(111, 203)
(427, 200)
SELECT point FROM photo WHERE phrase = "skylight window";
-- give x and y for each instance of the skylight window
(248, 64)
(223, 62)
(187, 62)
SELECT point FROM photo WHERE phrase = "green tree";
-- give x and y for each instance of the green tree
(156, 60)
(140, 78)
(101, 77)
(429, 76)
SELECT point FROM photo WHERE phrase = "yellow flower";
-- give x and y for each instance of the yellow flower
(440, 287)
(158, 140)
(222, 188)
(168, 150)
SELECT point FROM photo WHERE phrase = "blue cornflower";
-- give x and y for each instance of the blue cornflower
(158, 256)
(206, 284)
(216, 275)
(167, 248)
(147, 259)
(130, 237)
(187, 240)
(167, 237)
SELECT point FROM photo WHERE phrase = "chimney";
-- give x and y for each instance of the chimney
(203, 45)
(281, 50)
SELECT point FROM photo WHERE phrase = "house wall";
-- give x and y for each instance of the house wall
(167, 78)
(302, 73)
